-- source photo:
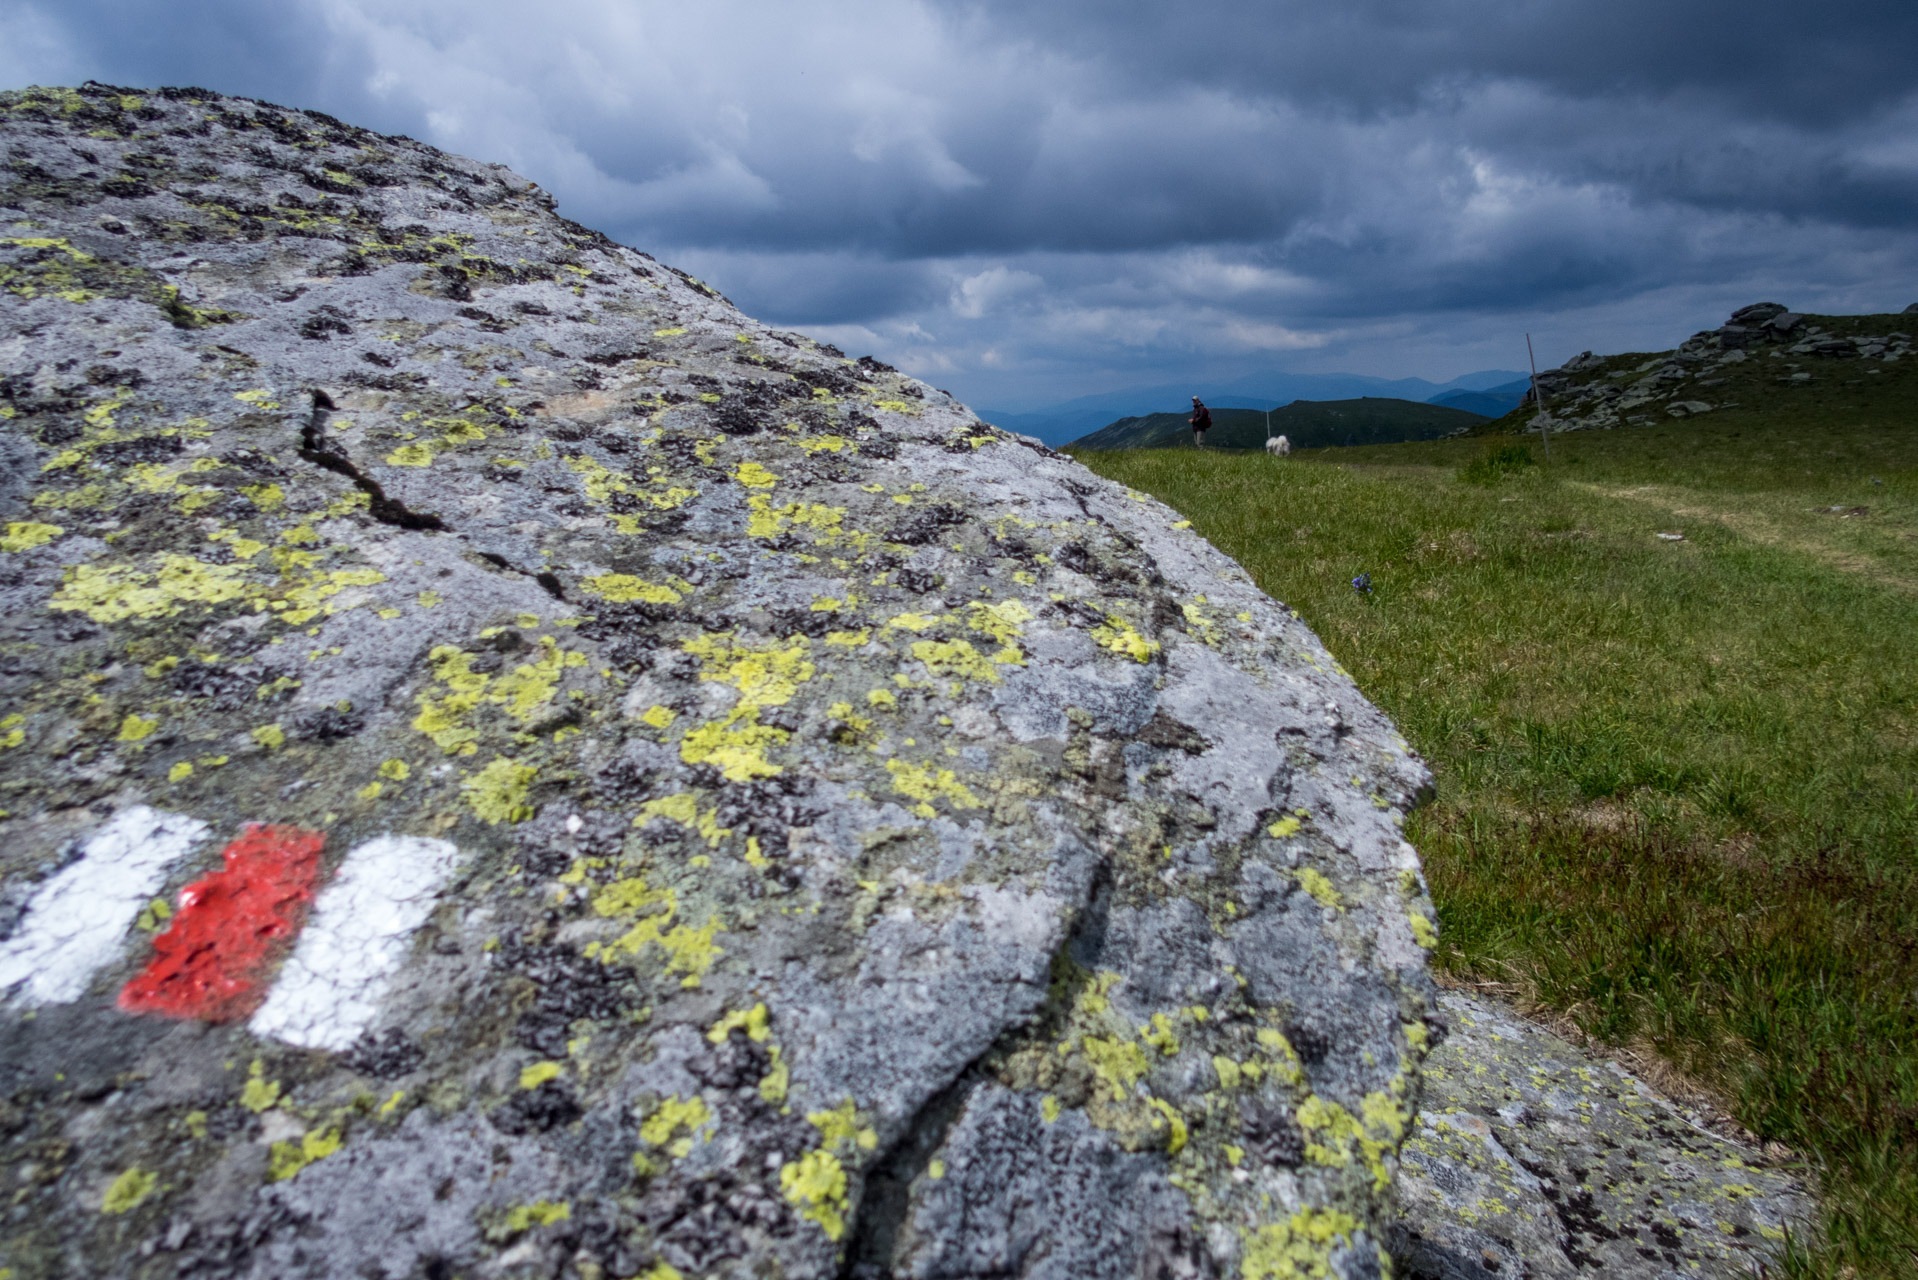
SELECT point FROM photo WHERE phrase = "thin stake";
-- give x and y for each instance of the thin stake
(1544, 434)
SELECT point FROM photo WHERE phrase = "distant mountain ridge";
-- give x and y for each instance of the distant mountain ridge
(1056, 424)
(1308, 424)
(1493, 402)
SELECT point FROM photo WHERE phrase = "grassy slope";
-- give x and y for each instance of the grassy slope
(1308, 424)
(1678, 781)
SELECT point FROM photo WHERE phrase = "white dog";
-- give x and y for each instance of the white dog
(1279, 447)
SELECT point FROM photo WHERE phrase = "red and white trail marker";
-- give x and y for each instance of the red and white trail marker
(341, 943)
(232, 925)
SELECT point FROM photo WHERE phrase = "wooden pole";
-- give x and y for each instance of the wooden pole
(1544, 433)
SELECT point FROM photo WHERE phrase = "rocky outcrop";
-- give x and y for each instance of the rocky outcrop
(1535, 1159)
(512, 767)
(1590, 392)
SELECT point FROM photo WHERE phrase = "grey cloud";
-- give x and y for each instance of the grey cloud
(1039, 200)
(828, 288)
(1786, 60)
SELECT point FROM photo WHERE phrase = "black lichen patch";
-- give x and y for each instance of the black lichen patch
(328, 724)
(537, 1110)
(386, 1055)
(568, 989)
(325, 321)
(923, 524)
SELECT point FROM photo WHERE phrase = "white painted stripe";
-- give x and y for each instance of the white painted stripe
(330, 989)
(76, 923)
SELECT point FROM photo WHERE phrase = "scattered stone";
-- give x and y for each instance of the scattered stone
(1587, 394)
(1687, 408)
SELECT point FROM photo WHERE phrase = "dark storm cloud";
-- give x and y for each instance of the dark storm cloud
(1025, 200)
(1814, 65)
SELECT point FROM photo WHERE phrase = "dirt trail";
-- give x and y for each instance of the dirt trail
(1762, 529)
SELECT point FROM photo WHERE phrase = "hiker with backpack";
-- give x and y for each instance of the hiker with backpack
(1201, 421)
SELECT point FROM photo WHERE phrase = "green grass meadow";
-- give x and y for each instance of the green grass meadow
(1677, 778)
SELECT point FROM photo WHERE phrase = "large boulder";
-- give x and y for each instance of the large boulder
(511, 766)
(1758, 313)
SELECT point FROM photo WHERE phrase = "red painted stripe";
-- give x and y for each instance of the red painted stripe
(231, 926)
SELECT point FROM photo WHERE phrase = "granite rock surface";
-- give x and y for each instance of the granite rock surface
(1533, 1159)
(511, 767)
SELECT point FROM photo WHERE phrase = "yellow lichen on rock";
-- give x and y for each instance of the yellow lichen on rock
(816, 1183)
(536, 1074)
(1118, 1064)
(1321, 889)
(1299, 1248)
(1334, 1137)
(689, 951)
(765, 676)
(115, 593)
(602, 483)
(258, 1094)
(524, 692)
(735, 746)
(128, 1190)
(285, 1159)
(1422, 931)
(24, 535)
(672, 1116)
(621, 587)
(1123, 638)
(540, 1213)
(924, 783)
(498, 792)
(767, 521)
(754, 1022)
(959, 658)
(840, 1128)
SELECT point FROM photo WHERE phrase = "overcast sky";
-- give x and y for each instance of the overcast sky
(1025, 202)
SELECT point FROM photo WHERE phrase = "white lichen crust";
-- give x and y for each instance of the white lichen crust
(883, 847)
